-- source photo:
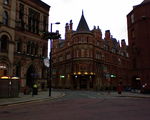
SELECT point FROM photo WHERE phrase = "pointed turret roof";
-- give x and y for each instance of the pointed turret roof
(83, 26)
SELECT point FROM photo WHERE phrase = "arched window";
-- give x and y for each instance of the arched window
(6, 2)
(5, 18)
(4, 43)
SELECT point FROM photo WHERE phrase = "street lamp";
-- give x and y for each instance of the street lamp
(50, 60)
(57, 23)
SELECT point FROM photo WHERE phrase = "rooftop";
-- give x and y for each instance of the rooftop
(83, 26)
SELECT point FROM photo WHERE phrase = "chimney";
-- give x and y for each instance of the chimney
(123, 43)
(71, 24)
(107, 35)
(67, 27)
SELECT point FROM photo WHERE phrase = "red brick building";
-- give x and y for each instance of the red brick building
(139, 41)
(84, 60)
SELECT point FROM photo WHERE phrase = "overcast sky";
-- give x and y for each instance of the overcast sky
(107, 14)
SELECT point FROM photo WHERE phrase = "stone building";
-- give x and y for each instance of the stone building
(85, 60)
(139, 40)
(22, 49)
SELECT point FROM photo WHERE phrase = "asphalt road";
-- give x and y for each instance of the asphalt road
(80, 105)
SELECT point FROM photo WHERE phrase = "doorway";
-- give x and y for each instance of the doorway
(136, 82)
(31, 76)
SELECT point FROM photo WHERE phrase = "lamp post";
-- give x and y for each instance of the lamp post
(50, 60)
(57, 23)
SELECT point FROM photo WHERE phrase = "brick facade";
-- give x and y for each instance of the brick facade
(139, 40)
(84, 60)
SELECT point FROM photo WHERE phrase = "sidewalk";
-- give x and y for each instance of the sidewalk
(27, 98)
(124, 94)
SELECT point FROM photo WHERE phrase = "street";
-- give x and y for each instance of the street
(80, 105)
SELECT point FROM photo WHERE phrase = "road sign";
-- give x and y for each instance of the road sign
(46, 62)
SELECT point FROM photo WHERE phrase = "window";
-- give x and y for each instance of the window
(6, 2)
(21, 15)
(21, 11)
(77, 53)
(5, 18)
(132, 18)
(32, 48)
(60, 58)
(36, 49)
(82, 53)
(113, 50)
(97, 43)
(45, 23)
(18, 46)
(61, 44)
(28, 48)
(106, 47)
(86, 53)
(68, 56)
(4, 43)
(98, 55)
(33, 21)
(44, 51)
(18, 70)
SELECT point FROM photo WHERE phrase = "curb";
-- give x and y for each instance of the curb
(33, 100)
(134, 96)
(124, 95)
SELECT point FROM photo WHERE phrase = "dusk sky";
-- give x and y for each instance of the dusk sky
(107, 14)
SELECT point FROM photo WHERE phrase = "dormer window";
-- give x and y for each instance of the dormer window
(6, 2)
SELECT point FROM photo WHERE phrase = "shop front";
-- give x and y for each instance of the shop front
(9, 86)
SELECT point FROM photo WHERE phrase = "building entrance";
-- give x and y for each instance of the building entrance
(136, 82)
(83, 82)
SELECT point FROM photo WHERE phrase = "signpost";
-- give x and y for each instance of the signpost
(48, 62)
